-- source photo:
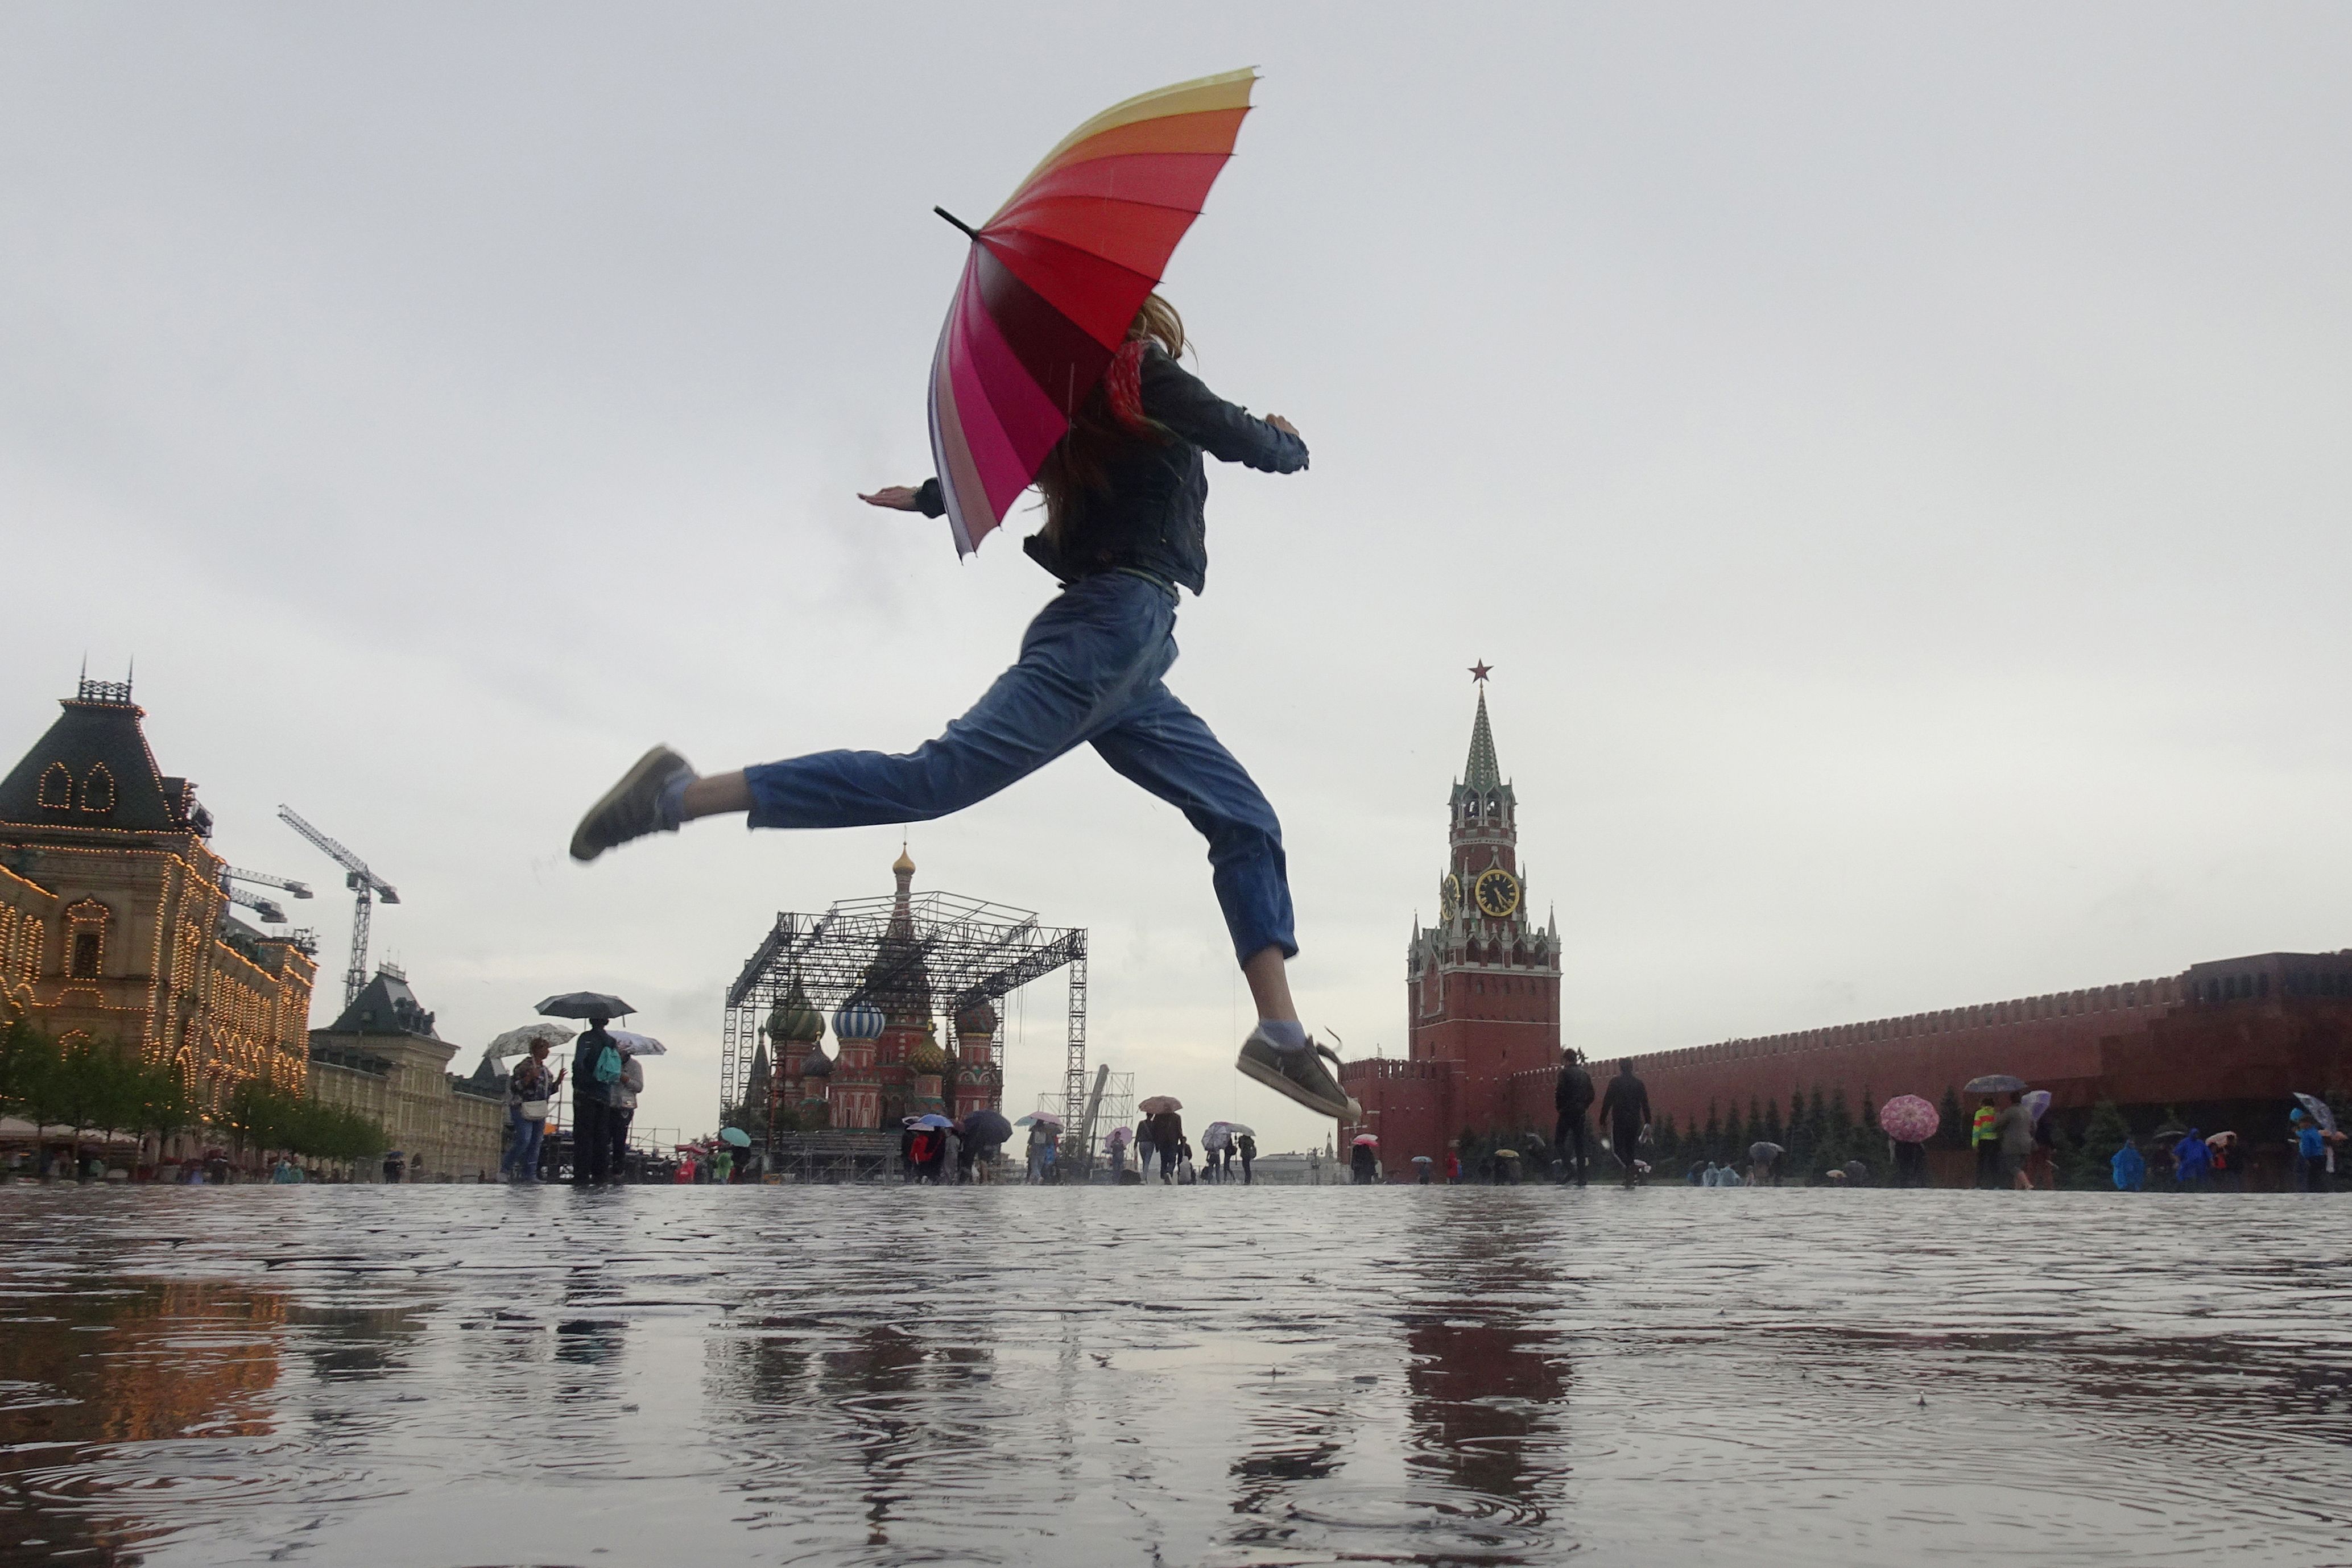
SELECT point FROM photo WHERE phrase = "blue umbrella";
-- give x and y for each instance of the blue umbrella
(933, 1120)
(737, 1137)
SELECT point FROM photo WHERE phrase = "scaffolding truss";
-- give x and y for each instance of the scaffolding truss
(967, 951)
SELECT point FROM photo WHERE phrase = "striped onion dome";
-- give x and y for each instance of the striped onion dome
(859, 1021)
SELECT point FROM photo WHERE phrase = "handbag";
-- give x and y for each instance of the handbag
(534, 1110)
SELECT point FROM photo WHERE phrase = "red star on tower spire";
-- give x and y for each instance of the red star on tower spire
(1478, 671)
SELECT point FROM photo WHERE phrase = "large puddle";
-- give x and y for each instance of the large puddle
(454, 1376)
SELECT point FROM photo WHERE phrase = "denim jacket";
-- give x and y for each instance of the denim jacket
(1153, 518)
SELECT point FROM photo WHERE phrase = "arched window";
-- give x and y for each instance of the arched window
(98, 789)
(56, 788)
(85, 952)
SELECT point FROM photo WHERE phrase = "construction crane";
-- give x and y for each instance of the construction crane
(269, 909)
(360, 881)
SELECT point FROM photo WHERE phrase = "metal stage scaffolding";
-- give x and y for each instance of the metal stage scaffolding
(969, 950)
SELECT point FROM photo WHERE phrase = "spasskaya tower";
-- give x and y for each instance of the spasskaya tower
(1482, 988)
(1484, 983)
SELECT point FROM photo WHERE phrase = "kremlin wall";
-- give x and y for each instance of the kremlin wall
(2225, 1043)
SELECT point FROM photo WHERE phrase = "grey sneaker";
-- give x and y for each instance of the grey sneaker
(1299, 1074)
(630, 809)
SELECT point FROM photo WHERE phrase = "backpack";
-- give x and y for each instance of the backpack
(608, 1065)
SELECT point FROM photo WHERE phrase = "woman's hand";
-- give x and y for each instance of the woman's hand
(896, 497)
(1282, 425)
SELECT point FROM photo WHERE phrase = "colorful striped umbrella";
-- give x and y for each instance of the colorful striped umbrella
(1054, 279)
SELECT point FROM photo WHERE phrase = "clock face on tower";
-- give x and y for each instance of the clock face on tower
(1497, 892)
(1449, 896)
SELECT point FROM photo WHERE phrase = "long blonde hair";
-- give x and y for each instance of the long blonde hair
(1111, 416)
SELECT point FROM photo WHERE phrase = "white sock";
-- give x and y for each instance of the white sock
(1287, 1034)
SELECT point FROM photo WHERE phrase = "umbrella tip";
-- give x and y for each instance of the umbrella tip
(958, 221)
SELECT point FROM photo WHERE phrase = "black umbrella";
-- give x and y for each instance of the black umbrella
(1766, 1153)
(1991, 1084)
(987, 1127)
(584, 1005)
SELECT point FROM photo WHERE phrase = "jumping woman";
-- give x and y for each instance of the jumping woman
(1125, 493)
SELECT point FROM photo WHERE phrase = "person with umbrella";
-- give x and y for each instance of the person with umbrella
(2310, 1150)
(1245, 1146)
(1167, 1132)
(1068, 378)
(1626, 1108)
(1572, 1100)
(596, 1068)
(2012, 1131)
(2193, 1160)
(1364, 1162)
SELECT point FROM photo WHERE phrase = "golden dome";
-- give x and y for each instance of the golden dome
(903, 866)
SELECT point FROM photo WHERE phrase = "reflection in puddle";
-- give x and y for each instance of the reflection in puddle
(1222, 1376)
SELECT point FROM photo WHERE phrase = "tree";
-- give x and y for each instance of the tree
(1714, 1138)
(1773, 1132)
(2090, 1165)
(1951, 1122)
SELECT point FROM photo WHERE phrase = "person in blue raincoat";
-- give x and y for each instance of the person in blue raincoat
(2191, 1160)
(2130, 1168)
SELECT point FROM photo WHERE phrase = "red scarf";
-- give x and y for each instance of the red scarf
(1123, 384)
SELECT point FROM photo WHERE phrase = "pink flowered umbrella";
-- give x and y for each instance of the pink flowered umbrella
(1908, 1119)
(1367, 1140)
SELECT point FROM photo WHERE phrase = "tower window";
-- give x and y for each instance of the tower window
(98, 789)
(89, 948)
(56, 788)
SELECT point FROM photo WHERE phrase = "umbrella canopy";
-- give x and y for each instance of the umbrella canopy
(583, 1005)
(987, 1126)
(1217, 1135)
(1994, 1084)
(737, 1137)
(933, 1120)
(1370, 1141)
(515, 1041)
(1765, 1152)
(1907, 1119)
(2221, 1140)
(1054, 279)
(634, 1044)
(1119, 1135)
(1159, 1103)
(2037, 1103)
(1039, 1118)
(1423, 1160)
(2316, 1109)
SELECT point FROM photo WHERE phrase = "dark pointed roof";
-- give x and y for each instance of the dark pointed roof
(1483, 772)
(384, 1006)
(92, 770)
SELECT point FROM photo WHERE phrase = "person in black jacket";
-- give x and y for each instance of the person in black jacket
(1125, 492)
(1572, 1098)
(591, 1108)
(1626, 1108)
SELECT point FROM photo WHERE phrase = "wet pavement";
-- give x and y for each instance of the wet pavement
(456, 1376)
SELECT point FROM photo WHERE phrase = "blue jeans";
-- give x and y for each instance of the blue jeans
(1089, 674)
(522, 1151)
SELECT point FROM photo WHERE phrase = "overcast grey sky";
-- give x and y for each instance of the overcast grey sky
(1893, 456)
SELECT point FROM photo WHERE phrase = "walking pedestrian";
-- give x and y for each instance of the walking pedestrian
(1041, 1139)
(1124, 527)
(1364, 1167)
(2191, 1160)
(2310, 1152)
(2012, 1128)
(1572, 1100)
(2129, 1167)
(595, 1068)
(1246, 1146)
(1625, 1106)
(531, 1088)
(1910, 1163)
(1167, 1132)
(1986, 1144)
